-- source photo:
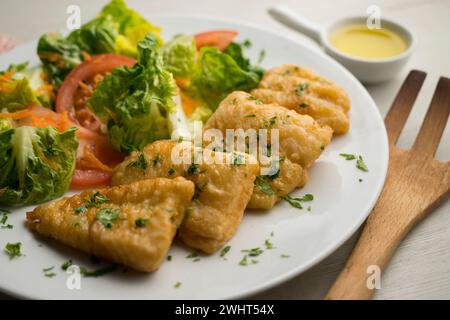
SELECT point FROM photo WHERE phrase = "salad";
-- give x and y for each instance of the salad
(107, 89)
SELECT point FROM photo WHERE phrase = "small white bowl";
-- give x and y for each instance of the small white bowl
(366, 70)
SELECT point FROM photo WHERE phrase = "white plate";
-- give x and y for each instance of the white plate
(340, 206)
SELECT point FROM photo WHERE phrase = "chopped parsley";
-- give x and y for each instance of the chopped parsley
(196, 259)
(171, 171)
(169, 258)
(98, 272)
(263, 185)
(66, 265)
(360, 180)
(268, 244)
(262, 55)
(254, 252)
(107, 216)
(348, 156)
(295, 202)
(244, 261)
(140, 223)
(96, 200)
(361, 165)
(177, 285)
(247, 43)
(4, 219)
(192, 255)
(49, 274)
(267, 123)
(322, 148)
(192, 169)
(303, 105)
(48, 269)
(224, 251)
(139, 163)
(252, 115)
(283, 255)
(13, 250)
(301, 88)
(81, 209)
(157, 159)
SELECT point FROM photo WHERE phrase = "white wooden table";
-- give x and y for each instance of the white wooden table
(421, 267)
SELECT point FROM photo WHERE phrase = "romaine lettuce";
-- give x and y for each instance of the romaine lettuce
(36, 164)
(136, 102)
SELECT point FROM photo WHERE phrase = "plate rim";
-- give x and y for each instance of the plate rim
(286, 276)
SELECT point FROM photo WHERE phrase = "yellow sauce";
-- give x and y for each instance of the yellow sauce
(360, 41)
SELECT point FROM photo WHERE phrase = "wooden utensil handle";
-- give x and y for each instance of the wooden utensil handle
(377, 243)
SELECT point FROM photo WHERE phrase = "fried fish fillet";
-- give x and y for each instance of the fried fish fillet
(302, 90)
(222, 191)
(301, 141)
(132, 224)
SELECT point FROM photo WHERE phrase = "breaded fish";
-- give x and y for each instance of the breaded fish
(132, 224)
(302, 90)
(301, 141)
(222, 191)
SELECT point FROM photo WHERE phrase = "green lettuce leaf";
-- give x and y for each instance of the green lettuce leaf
(116, 29)
(36, 164)
(179, 55)
(213, 74)
(217, 74)
(22, 88)
(136, 102)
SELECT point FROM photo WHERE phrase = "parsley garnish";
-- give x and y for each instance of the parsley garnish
(108, 216)
(157, 159)
(243, 261)
(247, 43)
(361, 165)
(263, 185)
(192, 255)
(262, 55)
(4, 219)
(98, 272)
(96, 200)
(139, 163)
(171, 171)
(169, 258)
(192, 169)
(81, 209)
(48, 269)
(301, 88)
(177, 285)
(348, 156)
(224, 251)
(284, 255)
(252, 115)
(66, 265)
(140, 223)
(254, 252)
(13, 250)
(295, 202)
(268, 244)
(50, 274)
(303, 105)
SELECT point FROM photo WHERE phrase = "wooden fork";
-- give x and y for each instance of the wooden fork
(416, 184)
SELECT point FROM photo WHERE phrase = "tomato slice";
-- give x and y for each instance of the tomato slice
(219, 39)
(86, 178)
(99, 64)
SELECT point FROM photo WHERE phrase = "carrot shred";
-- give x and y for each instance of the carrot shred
(92, 162)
